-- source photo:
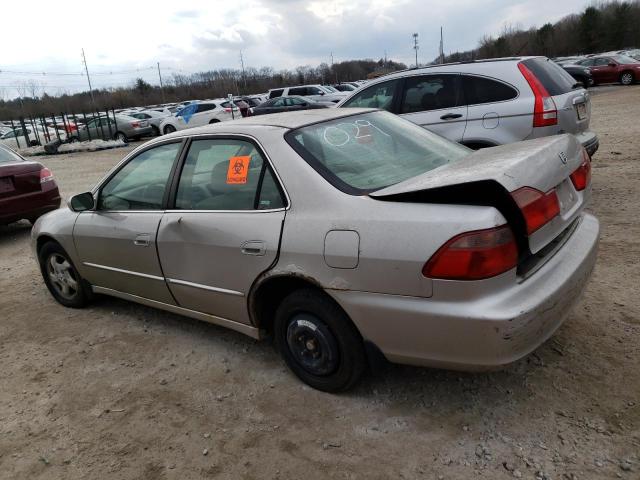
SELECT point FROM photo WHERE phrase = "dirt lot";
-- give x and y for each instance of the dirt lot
(123, 391)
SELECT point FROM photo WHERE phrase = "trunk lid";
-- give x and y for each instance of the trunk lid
(543, 164)
(19, 178)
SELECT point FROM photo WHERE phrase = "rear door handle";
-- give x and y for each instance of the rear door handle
(450, 116)
(253, 247)
(142, 240)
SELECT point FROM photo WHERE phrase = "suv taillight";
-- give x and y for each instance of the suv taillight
(474, 255)
(537, 208)
(545, 112)
(46, 175)
(581, 176)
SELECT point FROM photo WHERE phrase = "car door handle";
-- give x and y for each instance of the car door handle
(142, 240)
(450, 116)
(253, 247)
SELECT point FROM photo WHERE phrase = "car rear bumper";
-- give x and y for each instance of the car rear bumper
(589, 141)
(29, 205)
(485, 328)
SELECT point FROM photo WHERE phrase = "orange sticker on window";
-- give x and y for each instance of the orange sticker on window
(238, 170)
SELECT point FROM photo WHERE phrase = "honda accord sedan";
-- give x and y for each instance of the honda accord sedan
(27, 189)
(340, 234)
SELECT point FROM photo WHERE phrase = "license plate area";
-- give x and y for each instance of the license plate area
(566, 196)
(581, 110)
(6, 185)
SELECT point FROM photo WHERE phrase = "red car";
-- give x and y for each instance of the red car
(27, 189)
(612, 69)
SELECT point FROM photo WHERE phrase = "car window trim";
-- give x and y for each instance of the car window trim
(173, 191)
(96, 191)
(464, 96)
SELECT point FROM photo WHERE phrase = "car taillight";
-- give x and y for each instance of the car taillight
(545, 112)
(581, 176)
(46, 175)
(135, 124)
(474, 255)
(538, 208)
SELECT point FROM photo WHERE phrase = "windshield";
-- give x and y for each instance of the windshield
(624, 60)
(366, 152)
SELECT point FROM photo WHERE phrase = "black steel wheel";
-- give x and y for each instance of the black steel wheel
(318, 341)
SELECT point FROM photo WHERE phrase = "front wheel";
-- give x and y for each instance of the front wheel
(626, 78)
(61, 277)
(318, 341)
(215, 120)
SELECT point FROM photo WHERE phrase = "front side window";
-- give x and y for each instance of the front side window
(362, 153)
(298, 91)
(430, 92)
(601, 62)
(479, 90)
(142, 182)
(380, 95)
(225, 174)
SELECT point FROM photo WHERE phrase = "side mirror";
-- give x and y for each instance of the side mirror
(82, 202)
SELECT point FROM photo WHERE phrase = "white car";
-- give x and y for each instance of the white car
(197, 114)
(9, 138)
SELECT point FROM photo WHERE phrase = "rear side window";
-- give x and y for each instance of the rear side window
(484, 90)
(552, 76)
(430, 92)
(380, 95)
(226, 175)
(204, 107)
(276, 93)
(7, 156)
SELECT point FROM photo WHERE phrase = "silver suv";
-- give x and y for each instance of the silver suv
(319, 93)
(485, 103)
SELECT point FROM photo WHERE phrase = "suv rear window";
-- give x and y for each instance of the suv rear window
(363, 153)
(276, 93)
(479, 90)
(552, 76)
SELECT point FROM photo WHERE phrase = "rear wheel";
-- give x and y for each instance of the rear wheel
(61, 277)
(121, 136)
(169, 129)
(318, 341)
(626, 78)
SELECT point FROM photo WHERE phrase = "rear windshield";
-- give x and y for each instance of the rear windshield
(624, 60)
(552, 76)
(362, 153)
(7, 156)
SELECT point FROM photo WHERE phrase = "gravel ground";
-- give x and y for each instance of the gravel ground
(123, 391)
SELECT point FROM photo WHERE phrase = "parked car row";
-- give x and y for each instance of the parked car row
(611, 67)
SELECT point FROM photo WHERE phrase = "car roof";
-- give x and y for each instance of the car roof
(286, 120)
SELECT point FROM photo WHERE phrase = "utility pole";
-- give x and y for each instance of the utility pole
(244, 78)
(86, 69)
(332, 67)
(161, 87)
(415, 46)
(441, 47)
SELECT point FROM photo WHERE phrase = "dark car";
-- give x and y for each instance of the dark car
(580, 73)
(289, 104)
(613, 69)
(27, 189)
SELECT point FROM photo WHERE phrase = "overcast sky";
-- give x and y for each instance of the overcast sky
(187, 35)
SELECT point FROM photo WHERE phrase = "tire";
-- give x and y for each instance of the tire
(155, 130)
(626, 78)
(318, 342)
(121, 136)
(61, 277)
(168, 129)
(212, 121)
